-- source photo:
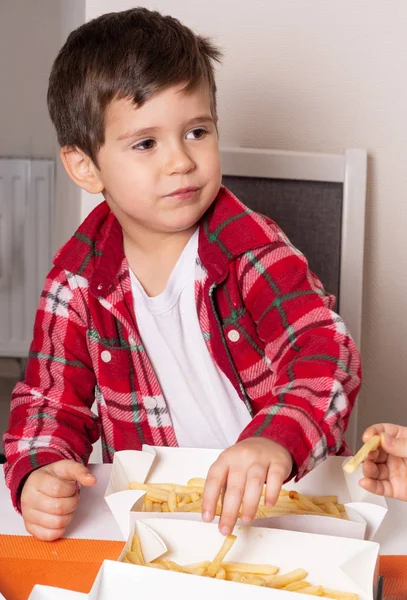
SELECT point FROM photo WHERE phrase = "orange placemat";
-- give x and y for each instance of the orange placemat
(67, 563)
(394, 570)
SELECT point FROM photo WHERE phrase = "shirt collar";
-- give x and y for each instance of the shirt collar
(227, 230)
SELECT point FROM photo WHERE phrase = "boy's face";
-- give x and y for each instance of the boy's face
(160, 165)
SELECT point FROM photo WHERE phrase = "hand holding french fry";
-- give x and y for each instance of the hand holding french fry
(50, 497)
(385, 469)
(239, 474)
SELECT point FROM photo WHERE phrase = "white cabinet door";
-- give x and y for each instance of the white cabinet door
(26, 206)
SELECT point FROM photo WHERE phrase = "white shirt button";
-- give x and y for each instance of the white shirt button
(150, 402)
(132, 341)
(233, 335)
(106, 356)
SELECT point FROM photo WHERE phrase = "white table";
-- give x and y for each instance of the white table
(93, 519)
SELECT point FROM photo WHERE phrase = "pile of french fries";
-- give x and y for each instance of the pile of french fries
(255, 574)
(170, 497)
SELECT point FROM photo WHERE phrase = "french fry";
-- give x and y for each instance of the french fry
(133, 558)
(362, 454)
(332, 509)
(304, 502)
(234, 577)
(253, 569)
(136, 548)
(324, 499)
(337, 595)
(185, 500)
(280, 581)
(178, 489)
(149, 505)
(226, 546)
(202, 565)
(156, 566)
(296, 586)
(172, 501)
(313, 590)
(167, 487)
(197, 482)
(190, 507)
(221, 574)
(169, 564)
(154, 493)
(253, 580)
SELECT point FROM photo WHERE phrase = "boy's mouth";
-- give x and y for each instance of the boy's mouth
(183, 193)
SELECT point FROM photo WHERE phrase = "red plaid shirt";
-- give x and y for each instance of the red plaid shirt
(294, 364)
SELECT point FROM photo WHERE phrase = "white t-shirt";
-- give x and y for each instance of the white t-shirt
(206, 410)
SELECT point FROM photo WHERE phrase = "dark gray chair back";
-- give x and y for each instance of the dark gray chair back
(309, 213)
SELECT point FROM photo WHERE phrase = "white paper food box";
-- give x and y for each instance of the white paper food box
(337, 563)
(46, 592)
(177, 465)
(344, 564)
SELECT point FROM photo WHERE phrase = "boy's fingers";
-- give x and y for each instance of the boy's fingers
(394, 446)
(372, 470)
(376, 455)
(41, 533)
(53, 486)
(73, 471)
(395, 431)
(376, 486)
(232, 501)
(48, 521)
(55, 506)
(372, 430)
(275, 479)
(214, 484)
(254, 486)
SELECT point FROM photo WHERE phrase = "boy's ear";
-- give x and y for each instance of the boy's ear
(81, 169)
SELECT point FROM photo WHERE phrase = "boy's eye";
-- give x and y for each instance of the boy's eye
(196, 134)
(144, 145)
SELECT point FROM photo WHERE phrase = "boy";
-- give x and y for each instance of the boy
(190, 319)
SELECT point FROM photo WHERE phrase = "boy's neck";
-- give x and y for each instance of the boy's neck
(152, 259)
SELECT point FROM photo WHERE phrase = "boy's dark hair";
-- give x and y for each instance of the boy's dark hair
(130, 54)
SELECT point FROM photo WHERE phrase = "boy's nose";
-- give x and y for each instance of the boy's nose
(179, 161)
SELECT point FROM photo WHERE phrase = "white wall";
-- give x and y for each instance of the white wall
(29, 39)
(68, 195)
(31, 34)
(324, 76)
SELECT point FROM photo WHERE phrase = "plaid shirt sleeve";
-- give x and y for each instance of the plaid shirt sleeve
(51, 416)
(316, 366)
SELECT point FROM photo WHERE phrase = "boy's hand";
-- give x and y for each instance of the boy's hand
(240, 473)
(50, 497)
(385, 470)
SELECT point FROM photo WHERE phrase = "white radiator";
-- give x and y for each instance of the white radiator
(26, 211)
